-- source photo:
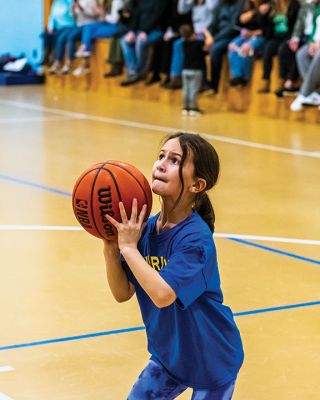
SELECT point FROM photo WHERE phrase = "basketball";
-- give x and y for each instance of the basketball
(98, 191)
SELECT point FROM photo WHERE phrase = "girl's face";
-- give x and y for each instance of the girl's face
(165, 172)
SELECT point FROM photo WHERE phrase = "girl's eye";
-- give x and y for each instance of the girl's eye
(175, 160)
(161, 156)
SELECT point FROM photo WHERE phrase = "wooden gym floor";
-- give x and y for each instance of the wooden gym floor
(62, 334)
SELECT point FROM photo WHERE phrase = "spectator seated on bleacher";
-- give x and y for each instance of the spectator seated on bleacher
(254, 21)
(108, 27)
(85, 12)
(145, 29)
(60, 21)
(284, 15)
(287, 53)
(222, 30)
(308, 59)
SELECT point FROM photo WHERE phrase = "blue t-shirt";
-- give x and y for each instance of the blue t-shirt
(195, 339)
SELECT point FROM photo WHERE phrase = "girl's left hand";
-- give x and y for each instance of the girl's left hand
(129, 230)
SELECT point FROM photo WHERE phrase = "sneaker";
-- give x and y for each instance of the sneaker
(238, 81)
(174, 84)
(82, 53)
(297, 104)
(65, 70)
(195, 112)
(80, 71)
(185, 112)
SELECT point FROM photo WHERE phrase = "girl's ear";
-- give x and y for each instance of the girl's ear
(199, 185)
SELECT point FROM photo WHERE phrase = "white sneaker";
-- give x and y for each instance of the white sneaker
(297, 104)
(315, 98)
(80, 71)
(82, 53)
(185, 112)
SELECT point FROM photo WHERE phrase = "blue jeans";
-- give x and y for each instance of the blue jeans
(135, 54)
(97, 30)
(73, 37)
(60, 43)
(154, 383)
(241, 66)
(191, 83)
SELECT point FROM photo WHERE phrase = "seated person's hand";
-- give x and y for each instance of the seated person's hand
(246, 50)
(233, 47)
(130, 37)
(313, 48)
(142, 36)
(169, 34)
(293, 45)
(245, 33)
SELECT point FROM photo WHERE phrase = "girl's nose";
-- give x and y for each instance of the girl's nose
(161, 165)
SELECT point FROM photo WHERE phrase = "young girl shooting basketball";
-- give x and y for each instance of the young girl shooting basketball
(170, 263)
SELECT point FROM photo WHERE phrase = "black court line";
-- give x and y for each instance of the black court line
(140, 328)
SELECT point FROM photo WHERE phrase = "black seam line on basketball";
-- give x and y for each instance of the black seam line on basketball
(142, 188)
(91, 197)
(114, 181)
(76, 187)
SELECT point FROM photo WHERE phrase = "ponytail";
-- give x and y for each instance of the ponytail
(205, 209)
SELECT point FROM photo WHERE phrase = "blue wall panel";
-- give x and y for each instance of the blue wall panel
(21, 23)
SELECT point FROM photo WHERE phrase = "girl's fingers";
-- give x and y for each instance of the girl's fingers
(142, 214)
(112, 220)
(134, 211)
(123, 213)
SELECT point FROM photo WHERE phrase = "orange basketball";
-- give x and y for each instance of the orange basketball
(100, 188)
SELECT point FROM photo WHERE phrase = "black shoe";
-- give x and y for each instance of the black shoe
(175, 83)
(113, 72)
(239, 81)
(165, 82)
(279, 93)
(152, 80)
(131, 79)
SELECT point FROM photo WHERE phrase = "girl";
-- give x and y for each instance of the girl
(171, 265)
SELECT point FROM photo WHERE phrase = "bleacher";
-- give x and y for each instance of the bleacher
(244, 100)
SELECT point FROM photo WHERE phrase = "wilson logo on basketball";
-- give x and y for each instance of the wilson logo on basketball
(105, 199)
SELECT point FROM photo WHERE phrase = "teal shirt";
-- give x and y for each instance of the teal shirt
(61, 15)
(280, 24)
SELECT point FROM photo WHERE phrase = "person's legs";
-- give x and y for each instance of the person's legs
(97, 30)
(73, 37)
(270, 50)
(177, 58)
(312, 78)
(257, 44)
(303, 60)
(185, 90)
(129, 54)
(195, 77)
(142, 48)
(225, 392)
(235, 60)
(60, 45)
(155, 383)
(217, 52)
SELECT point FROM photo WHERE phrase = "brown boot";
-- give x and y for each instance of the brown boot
(265, 86)
(175, 83)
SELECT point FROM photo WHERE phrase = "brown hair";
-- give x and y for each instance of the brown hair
(206, 166)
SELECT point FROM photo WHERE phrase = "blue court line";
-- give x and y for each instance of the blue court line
(140, 328)
(34, 185)
(272, 249)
